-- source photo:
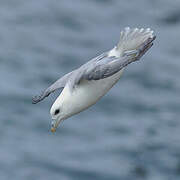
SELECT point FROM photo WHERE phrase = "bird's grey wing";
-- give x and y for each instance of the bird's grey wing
(60, 83)
(110, 65)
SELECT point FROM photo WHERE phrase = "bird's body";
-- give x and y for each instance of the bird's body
(84, 86)
(86, 94)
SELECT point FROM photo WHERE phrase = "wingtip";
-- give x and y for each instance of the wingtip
(145, 47)
(38, 98)
(35, 99)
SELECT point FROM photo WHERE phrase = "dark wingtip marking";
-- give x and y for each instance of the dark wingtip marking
(36, 99)
(145, 47)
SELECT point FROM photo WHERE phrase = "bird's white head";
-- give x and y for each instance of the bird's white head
(60, 109)
(56, 115)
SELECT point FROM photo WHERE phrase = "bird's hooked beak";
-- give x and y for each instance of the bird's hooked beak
(54, 125)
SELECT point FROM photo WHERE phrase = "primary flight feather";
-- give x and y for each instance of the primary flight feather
(84, 86)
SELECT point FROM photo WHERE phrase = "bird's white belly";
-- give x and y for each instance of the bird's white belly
(89, 92)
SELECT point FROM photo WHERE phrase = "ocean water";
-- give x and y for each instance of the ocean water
(130, 134)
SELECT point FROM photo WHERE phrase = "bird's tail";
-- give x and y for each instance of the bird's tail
(131, 39)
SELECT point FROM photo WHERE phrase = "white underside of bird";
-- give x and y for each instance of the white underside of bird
(90, 87)
(86, 94)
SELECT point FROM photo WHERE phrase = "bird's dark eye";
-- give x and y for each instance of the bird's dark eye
(56, 112)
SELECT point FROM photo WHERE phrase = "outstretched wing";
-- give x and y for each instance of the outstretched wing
(110, 65)
(60, 83)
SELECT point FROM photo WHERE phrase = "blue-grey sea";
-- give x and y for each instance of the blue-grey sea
(133, 133)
